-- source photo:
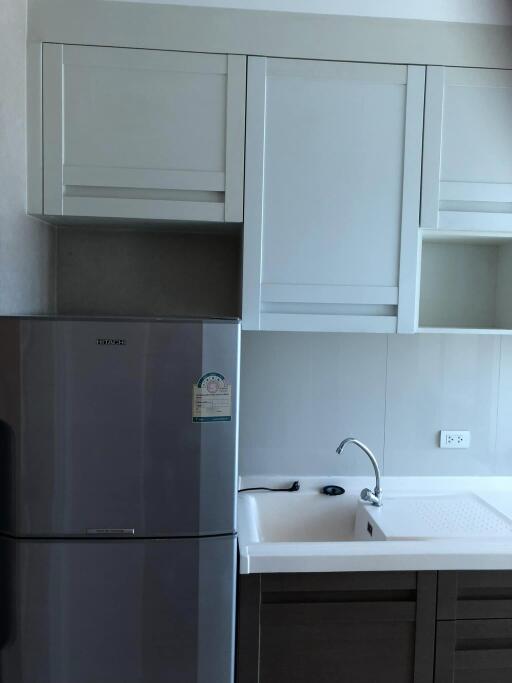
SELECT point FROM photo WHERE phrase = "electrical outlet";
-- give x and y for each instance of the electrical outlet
(451, 439)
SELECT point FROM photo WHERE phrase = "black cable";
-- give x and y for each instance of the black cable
(294, 487)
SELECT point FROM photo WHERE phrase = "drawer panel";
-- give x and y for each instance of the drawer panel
(474, 595)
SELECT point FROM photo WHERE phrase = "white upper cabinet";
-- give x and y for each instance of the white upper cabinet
(467, 163)
(143, 134)
(333, 173)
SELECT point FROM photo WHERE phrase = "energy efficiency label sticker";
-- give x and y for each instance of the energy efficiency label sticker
(211, 399)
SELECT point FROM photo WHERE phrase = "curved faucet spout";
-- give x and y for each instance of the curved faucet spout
(375, 497)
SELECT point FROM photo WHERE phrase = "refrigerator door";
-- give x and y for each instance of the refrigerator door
(117, 611)
(96, 427)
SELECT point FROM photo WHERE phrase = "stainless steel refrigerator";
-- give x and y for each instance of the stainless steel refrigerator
(118, 466)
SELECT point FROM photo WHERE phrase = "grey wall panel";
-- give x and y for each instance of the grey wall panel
(111, 272)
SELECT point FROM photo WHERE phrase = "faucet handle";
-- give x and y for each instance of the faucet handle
(373, 497)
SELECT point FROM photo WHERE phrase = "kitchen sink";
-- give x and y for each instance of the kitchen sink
(315, 518)
(297, 517)
(443, 526)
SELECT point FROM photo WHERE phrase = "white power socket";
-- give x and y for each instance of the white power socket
(451, 439)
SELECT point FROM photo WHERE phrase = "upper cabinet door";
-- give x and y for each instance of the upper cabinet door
(143, 134)
(467, 163)
(327, 198)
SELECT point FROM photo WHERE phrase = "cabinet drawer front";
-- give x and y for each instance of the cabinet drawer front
(276, 587)
(336, 613)
(475, 595)
(474, 651)
(143, 133)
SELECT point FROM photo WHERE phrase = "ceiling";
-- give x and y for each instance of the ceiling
(468, 11)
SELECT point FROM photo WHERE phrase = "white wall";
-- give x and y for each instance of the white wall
(303, 393)
(471, 11)
(26, 245)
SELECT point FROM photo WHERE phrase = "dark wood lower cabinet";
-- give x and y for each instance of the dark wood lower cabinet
(394, 627)
(325, 628)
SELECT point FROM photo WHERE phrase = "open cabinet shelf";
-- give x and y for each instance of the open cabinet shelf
(466, 284)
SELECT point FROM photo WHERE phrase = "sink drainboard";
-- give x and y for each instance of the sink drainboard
(458, 516)
(462, 515)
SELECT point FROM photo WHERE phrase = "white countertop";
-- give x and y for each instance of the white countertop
(307, 531)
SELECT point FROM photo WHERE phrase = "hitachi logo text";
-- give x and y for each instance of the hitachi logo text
(111, 342)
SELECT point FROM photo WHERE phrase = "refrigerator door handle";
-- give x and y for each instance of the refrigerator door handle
(110, 532)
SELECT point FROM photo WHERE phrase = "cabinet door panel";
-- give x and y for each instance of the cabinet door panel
(324, 187)
(318, 628)
(467, 164)
(320, 643)
(143, 133)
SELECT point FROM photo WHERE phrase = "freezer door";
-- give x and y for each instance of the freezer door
(100, 434)
(134, 611)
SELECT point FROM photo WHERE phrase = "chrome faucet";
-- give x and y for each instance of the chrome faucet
(374, 497)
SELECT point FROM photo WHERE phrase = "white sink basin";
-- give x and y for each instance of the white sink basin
(316, 518)
(297, 517)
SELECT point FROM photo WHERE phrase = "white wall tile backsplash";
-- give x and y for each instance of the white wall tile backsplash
(441, 382)
(303, 393)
